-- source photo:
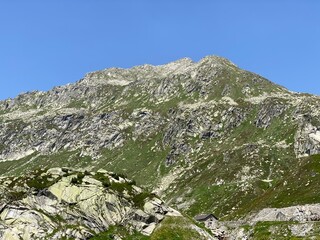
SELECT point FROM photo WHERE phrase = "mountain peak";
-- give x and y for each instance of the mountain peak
(216, 60)
(212, 77)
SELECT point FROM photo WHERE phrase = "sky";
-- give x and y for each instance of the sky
(49, 43)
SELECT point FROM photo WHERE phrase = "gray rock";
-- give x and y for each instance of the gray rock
(87, 205)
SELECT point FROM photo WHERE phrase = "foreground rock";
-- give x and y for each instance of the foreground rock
(58, 203)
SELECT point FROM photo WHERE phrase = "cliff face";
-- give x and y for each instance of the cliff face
(205, 136)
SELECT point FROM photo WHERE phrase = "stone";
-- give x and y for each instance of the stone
(149, 229)
(85, 204)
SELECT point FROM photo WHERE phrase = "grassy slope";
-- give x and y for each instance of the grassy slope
(138, 161)
(171, 228)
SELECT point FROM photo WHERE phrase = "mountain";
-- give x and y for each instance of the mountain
(205, 137)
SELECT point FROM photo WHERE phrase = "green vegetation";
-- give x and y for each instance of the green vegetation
(279, 230)
(15, 195)
(37, 160)
(36, 180)
(2, 147)
(120, 232)
(299, 186)
(136, 159)
(171, 228)
(176, 228)
(103, 179)
(139, 199)
(78, 179)
(76, 104)
(120, 187)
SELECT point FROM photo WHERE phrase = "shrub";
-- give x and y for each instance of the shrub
(103, 179)
(78, 179)
(140, 198)
(15, 195)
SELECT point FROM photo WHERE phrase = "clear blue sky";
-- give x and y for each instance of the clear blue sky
(49, 43)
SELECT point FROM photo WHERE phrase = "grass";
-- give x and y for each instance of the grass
(76, 104)
(140, 198)
(119, 231)
(135, 159)
(302, 185)
(60, 159)
(280, 230)
(176, 228)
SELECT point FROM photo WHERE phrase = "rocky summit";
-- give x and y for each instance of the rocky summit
(185, 150)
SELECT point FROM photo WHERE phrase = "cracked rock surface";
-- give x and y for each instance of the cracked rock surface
(75, 204)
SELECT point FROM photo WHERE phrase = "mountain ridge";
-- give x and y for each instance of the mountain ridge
(183, 62)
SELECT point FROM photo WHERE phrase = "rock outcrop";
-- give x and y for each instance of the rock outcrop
(58, 203)
(304, 213)
(307, 140)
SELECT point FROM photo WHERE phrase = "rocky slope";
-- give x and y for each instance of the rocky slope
(207, 137)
